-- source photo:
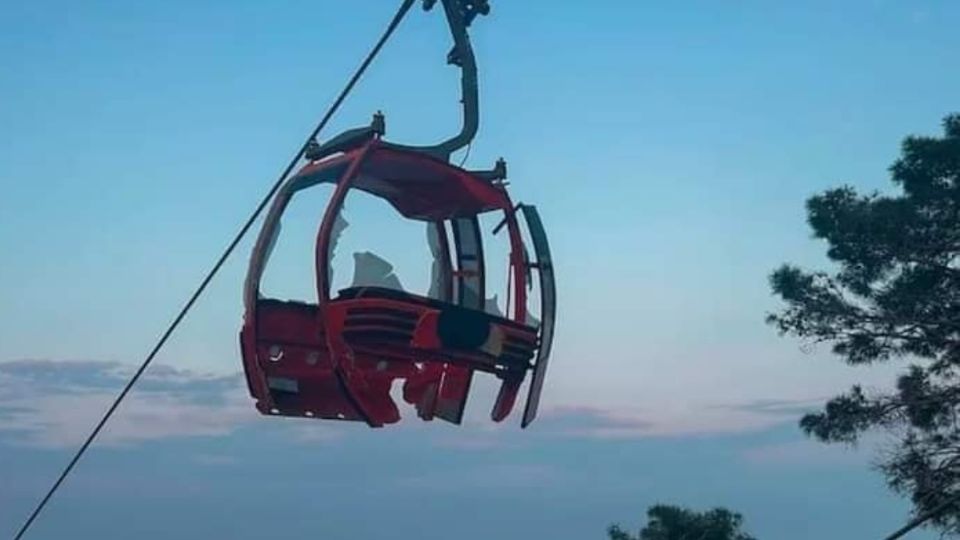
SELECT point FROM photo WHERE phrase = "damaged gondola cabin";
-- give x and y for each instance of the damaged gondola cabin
(339, 357)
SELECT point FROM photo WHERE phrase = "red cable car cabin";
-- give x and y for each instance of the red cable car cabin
(338, 358)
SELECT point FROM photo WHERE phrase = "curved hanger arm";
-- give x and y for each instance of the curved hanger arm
(459, 15)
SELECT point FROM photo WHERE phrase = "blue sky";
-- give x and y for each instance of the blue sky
(669, 149)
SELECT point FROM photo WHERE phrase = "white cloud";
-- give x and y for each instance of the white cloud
(669, 420)
(56, 404)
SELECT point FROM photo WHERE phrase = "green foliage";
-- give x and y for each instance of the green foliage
(895, 293)
(665, 522)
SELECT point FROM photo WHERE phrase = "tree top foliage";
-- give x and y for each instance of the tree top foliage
(666, 522)
(894, 293)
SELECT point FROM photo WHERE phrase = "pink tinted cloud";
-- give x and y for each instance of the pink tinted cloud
(55, 404)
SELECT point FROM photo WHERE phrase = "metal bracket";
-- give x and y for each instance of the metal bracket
(469, 9)
(496, 174)
(503, 222)
(348, 140)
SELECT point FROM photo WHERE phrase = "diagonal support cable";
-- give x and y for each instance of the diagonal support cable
(401, 12)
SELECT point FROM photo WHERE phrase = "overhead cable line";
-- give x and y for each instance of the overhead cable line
(401, 12)
(925, 517)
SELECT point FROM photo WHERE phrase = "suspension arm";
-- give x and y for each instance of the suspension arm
(459, 15)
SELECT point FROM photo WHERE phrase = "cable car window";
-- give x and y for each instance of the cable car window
(532, 279)
(497, 271)
(289, 269)
(440, 269)
(469, 255)
(379, 248)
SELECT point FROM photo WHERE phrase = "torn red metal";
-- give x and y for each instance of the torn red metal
(339, 357)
